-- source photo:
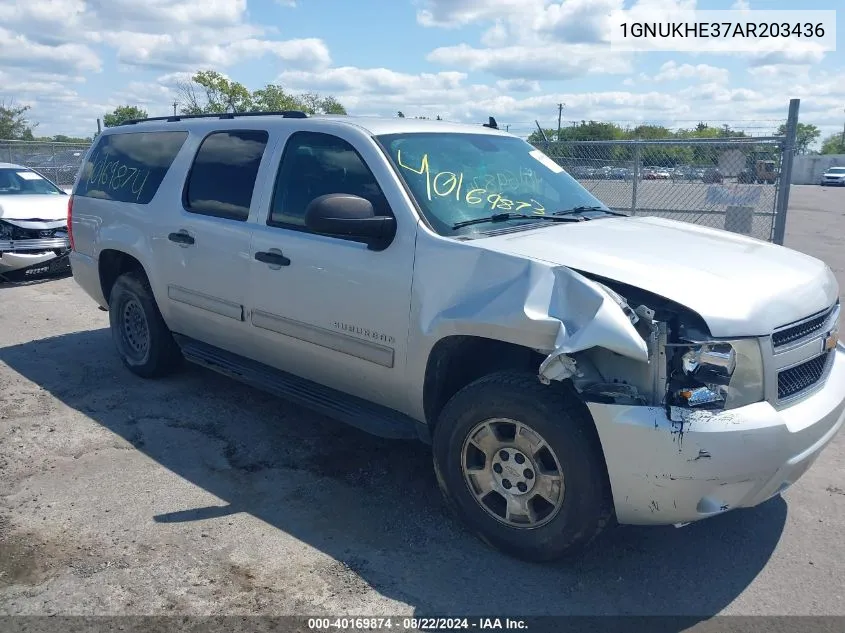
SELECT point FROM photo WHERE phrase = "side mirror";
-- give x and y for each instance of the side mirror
(345, 215)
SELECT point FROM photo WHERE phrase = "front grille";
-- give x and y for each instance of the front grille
(796, 379)
(800, 330)
(14, 233)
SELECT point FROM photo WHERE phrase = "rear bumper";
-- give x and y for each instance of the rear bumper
(666, 473)
(86, 273)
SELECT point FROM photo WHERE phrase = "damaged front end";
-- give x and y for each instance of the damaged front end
(33, 249)
(675, 428)
(683, 369)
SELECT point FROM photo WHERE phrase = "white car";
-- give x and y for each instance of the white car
(33, 225)
(835, 176)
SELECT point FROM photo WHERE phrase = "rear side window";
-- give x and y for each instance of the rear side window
(129, 167)
(222, 179)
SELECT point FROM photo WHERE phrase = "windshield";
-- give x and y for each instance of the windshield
(26, 182)
(836, 170)
(456, 178)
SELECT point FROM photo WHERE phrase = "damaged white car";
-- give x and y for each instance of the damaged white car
(569, 364)
(33, 225)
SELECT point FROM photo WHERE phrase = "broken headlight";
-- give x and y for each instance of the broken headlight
(718, 374)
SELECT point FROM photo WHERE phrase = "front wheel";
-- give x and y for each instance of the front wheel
(521, 464)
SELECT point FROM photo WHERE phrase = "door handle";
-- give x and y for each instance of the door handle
(274, 259)
(181, 238)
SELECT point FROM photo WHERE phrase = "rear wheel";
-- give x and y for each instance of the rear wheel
(143, 341)
(520, 463)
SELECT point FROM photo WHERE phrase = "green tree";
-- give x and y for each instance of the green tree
(13, 122)
(805, 135)
(273, 98)
(833, 144)
(210, 92)
(313, 103)
(123, 113)
(400, 114)
(330, 105)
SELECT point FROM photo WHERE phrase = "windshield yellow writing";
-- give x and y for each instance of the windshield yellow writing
(486, 190)
(116, 175)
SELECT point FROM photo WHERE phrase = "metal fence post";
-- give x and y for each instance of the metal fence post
(636, 171)
(787, 153)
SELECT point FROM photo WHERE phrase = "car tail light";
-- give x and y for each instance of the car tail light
(70, 221)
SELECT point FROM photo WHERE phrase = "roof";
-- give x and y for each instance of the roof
(13, 166)
(397, 125)
(373, 125)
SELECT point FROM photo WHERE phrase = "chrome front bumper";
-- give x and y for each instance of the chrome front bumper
(12, 246)
(663, 472)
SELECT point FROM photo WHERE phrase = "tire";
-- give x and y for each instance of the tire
(143, 341)
(564, 424)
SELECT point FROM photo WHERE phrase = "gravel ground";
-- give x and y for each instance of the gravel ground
(196, 495)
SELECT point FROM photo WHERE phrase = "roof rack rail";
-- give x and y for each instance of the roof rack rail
(289, 114)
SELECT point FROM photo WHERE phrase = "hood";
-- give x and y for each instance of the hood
(34, 207)
(740, 286)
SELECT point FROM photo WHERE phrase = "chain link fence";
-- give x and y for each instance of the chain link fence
(58, 162)
(730, 184)
(738, 184)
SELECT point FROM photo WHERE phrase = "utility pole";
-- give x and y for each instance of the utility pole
(843, 138)
(559, 116)
(175, 103)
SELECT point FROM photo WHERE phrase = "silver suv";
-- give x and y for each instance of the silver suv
(569, 365)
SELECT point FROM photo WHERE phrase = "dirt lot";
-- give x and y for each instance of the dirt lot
(196, 495)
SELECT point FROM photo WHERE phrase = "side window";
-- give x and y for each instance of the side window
(315, 164)
(129, 167)
(222, 178)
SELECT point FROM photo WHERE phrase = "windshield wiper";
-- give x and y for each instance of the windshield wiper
(579, 210)
(501, 217)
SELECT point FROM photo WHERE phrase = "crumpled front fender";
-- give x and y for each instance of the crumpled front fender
(462, 288)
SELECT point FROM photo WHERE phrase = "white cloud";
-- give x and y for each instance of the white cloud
(372, 81)
(18, 51)
(672, 71)
(529, 62)
(455, 13)
(496, 35)
(536, 39)
(529, 47)
(577, 20)
(167, 34)
(797, 54)
(779, 72)
(189, 49)
(518, 85)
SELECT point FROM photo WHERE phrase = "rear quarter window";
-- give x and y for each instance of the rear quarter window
(129, 167)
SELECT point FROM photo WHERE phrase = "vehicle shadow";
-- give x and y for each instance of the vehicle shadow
(373, 504)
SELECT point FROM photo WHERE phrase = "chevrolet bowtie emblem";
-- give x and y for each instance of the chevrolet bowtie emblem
(831, 340)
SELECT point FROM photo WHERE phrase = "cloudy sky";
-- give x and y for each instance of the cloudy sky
(74, 60)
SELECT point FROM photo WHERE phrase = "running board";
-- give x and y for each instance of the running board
(367, 416)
